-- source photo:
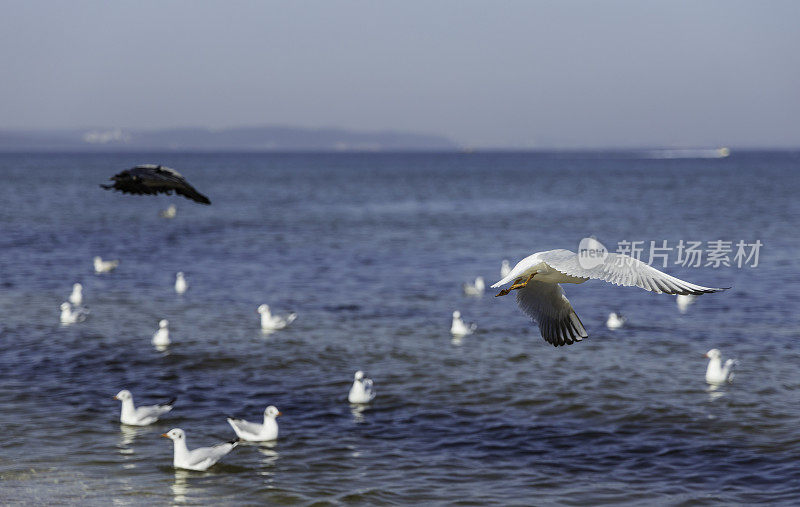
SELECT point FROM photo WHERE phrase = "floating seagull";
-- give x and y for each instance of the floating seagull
(505, 268)
(180, 283)
(716, 373)
(101, 266)
(154, 179)
(537, 276)
(684, 301)
(458, 327)
(475, 289)
(161, 337)
(70, 317)
(254, 432)
(271, 322)
(76, 298)
(361, 391)
(199, 459)
(170, 212)
(615, 320)
(141, 416)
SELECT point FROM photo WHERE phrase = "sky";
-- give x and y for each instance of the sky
(487, 74)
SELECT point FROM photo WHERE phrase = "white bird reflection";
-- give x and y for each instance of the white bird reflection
(180, 486)
(714, 392)
(267, 449)
(358, 412)
(128, 435)
(457, 340)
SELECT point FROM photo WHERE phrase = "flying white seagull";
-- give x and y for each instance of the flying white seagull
(536, 279)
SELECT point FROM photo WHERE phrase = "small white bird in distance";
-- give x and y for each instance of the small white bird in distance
(76, 297)
(101, 266)
(615, 320)
(170, 212)
(180, 283)
(716, 372)
(505, 268)
(71, 317)
(161, 337)
(536, 279)
(271, 322)
(459, 328)
(254, 432)
(475, 289)
(200, 459)
(684, 301)
(362, 389)
(140, 416)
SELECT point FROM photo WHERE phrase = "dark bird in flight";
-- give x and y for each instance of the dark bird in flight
(154, 179)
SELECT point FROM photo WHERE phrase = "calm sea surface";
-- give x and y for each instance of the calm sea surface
(371, 252)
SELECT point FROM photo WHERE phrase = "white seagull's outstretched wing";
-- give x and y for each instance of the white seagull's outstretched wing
(550, 308)
(623, 270)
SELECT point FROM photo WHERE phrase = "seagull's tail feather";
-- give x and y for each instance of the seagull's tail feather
(171, 402)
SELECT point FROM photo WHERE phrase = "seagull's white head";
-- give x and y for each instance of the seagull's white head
(272, 411)
(359, 375)
(77, 287)
(98, 259)
(65, 306)
(713, 354)
(180, 274)
(456, 314)
(175, 434)
(163, 323)
(263, 309)
(123, 395)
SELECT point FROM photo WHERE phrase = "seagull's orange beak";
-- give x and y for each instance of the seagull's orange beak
(116, 398)
(705, 355)
(165, 435)
(280, 413)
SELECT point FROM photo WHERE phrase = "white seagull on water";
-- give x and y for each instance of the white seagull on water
(254, 432)
(161, 337)
(361, 391)
(199, 459)
(615, 320)
(717, 373)
(140, 416)
(70, 317)
(459, 328)
(271, 322)
(684, 301)
(101, 266)
(536, 279)
(475, 289)
(76, 298)
(180, 283)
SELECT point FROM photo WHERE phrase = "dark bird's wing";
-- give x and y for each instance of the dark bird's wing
(549, 307)
(153, 179)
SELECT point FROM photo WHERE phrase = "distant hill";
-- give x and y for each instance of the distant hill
(269, 138)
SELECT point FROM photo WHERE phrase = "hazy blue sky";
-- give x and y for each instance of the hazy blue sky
(528, 74)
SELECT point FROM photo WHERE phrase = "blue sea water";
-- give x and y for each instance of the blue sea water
(371, 250)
